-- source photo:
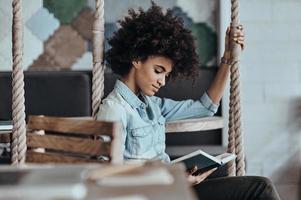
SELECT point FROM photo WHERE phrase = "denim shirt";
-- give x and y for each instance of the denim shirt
(143, 119)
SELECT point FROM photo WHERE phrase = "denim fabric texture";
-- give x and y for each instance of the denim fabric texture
(143, 119)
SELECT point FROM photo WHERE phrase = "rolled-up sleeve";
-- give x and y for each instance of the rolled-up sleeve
(175, 110)
(207, 103)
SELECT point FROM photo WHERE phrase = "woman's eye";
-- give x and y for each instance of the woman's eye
(157, 71)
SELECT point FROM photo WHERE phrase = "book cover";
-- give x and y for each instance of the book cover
(204, 161)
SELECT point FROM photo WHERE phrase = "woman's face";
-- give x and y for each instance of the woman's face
(151, 74)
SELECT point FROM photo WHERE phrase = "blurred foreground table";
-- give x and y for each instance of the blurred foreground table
(151, 181)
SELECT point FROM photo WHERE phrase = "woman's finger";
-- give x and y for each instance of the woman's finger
(242, 45)
(239, 38)
(204, 175)
(240, 27)
(193, 170)
(239, 34)
(228, 30)
(207, 173)
(240, 42)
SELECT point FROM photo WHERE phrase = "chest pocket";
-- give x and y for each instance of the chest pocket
(141, 139)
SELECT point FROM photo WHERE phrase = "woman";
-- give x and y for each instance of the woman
(149, 48)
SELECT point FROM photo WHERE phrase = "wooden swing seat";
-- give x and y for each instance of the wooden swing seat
(69, 140)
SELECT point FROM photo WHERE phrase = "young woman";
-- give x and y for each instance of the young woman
(149, 48)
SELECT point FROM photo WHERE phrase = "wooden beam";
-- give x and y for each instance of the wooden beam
(5, 136)
(70, 125)
(190, 125)
(69, 144)
(36, 157)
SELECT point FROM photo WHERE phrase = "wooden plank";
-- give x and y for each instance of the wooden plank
(36, 157)
(71, 125)
(69, 144)
(5, 136)
(200, 124)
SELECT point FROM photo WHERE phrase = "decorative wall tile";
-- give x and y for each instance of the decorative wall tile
(5, 64)
(6, 50)
(110, 28)
(30, 7)
(83, 23)
(33, 47)
(203, 11)
(84, 63)
(120, 8)
(206, 41)
(42, 24)
(63, 51)
(65, 46)
(43, 62)
(6, 6)
(91, 4)
(177, 11)
(65, 10)
(5, 21)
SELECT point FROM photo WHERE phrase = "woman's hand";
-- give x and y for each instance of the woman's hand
(196, 179)
(238, 37)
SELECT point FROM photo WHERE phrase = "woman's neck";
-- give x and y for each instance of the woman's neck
(130, 83)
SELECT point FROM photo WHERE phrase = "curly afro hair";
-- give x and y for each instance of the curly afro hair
(152, 33)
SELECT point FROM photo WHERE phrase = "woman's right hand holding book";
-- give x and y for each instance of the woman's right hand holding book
(195, 179)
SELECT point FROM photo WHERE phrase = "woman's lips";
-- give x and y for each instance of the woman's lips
(155, 89)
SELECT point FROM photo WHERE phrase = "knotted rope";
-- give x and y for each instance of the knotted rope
(18, 145)
(98, 48)
(235, 132)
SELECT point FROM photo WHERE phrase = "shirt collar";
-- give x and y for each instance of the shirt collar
(129, 96)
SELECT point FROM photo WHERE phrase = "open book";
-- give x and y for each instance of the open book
(204, 161)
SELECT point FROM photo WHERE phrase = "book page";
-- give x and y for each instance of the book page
(226, 157)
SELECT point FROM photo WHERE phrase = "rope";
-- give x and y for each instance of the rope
(231, 138)
(18, 144)
(98, 67)
(235, 132)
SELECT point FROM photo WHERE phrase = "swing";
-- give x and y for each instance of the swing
(18, 141)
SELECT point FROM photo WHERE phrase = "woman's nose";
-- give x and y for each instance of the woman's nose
(161, 81)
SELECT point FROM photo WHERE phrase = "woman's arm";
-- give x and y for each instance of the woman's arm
(216, 89)
(186, 109)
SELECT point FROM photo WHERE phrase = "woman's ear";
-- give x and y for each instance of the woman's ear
(136, 64)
